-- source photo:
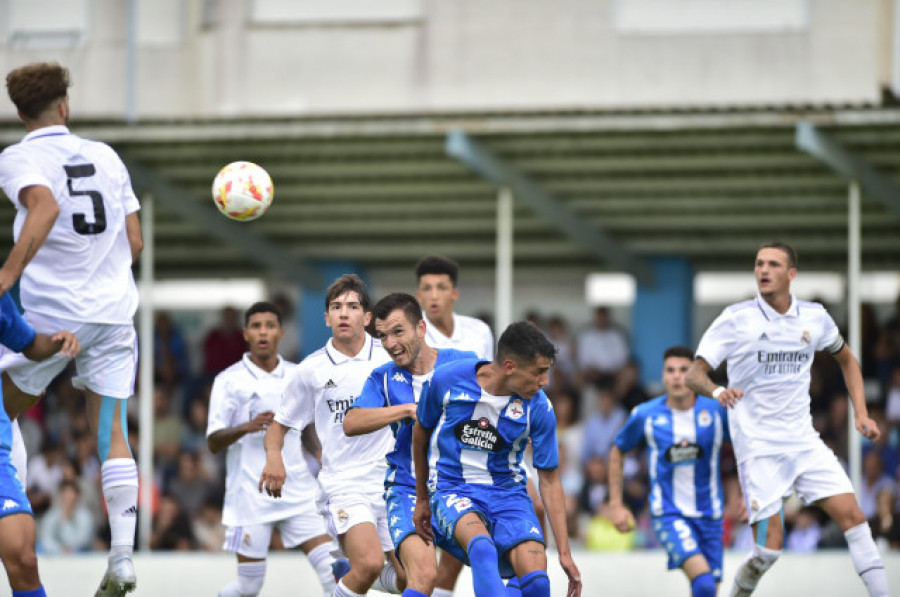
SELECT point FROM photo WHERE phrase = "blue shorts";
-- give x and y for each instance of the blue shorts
(401, 503)
(685, 537)
(12, 496)
(507, 513)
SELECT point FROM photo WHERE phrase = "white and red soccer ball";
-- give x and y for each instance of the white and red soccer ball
(242, 191)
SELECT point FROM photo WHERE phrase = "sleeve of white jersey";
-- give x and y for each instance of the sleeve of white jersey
(488, 351)
(297, 408)
(719, 340)
(16, 173)
(222, 406)
(831, 339)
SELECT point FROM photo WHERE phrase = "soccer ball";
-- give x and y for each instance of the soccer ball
(242, 191)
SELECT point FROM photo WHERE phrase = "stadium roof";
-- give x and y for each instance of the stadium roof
(381, 190)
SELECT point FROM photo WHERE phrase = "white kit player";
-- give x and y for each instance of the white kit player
(242, 405)
(769, 343)
(77, 234)
(321, 389)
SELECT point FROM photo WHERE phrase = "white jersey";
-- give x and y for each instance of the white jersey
(239, 394)
(323, 386)
(469, 334)
(769, 357)
(82, 272)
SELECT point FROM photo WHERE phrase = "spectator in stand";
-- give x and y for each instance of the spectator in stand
(873, 480)
(886, 522)
(892, 397)
(171, 527)
(628, 388)
(290, 342)
(601, 427)
(224, 345)
(44, 475)
(68, 527)
(191, 486)
(602, 349)
(208, 528)
(596, 485)
(804, 536)
(172, 367)
(564, 373)
(168, 429)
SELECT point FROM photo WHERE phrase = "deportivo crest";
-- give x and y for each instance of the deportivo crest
(479, 435)
(806, 338)
(704, 418)
(515, 410)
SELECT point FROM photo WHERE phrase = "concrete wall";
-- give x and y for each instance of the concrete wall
(237, 57)
(639, 574)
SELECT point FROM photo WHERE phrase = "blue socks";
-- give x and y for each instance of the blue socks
(535, 584)
(485, 573)
(38, 592)
(412, 593)
(703, 585)
(512, 587)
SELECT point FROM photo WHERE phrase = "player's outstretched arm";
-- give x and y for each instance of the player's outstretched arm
(698, 381)
(45, 346)
(221, 439)
(853, 379)
(361, 420)
(273, 473)
(42, 213)
(422, 513)
(619, 514)
(555, 505)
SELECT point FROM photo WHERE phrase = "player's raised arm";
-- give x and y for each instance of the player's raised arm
(273, 473)
(221, 439)
(370, 412)
(699, 382)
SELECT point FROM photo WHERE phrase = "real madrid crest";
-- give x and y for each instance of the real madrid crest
(806, 338)
(515, 410)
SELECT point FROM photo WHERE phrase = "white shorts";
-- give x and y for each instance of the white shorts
(344, 511)
(106, 364)
(253, 541)
(814, 474)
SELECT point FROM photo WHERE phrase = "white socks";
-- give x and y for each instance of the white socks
(867, 560)
(120, 489)
(341, 590)
(387, 580)
(320, 559)
(751, 570)
(441, 593)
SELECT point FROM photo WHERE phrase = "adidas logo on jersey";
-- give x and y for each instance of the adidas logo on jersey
(330, 384)
(8, 504)
(132, 511)
(764, 336)
(400, 377)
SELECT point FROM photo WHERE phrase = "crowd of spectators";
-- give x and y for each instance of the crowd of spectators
(593, 386)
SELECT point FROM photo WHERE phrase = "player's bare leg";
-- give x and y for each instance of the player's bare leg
(696, 568)
(419, 564)
(448, 570)
(17, 552)
(529, 561)
(845, 511)
(15, 400)
(472, 535)
(363, 549)
(107, 418)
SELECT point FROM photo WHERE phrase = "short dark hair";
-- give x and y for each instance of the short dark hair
(679, 351)
(398, 300)
(781, 246)
(349, 283)
(435, 264)
(33, 87)
(262, 307)
(523, 342)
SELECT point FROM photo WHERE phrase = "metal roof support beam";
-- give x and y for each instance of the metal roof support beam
(591, 239)
(271, 256)
(847, 164)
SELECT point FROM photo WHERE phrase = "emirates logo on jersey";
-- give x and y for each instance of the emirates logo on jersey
(479, 435)
(683, 451)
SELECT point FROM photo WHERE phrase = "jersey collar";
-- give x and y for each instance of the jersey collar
(771, 314)
(338, 358)
(47, 131)
(258, 373)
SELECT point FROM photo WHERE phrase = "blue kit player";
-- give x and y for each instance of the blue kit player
(16, 519)
(684, 435)
(474, 421)
(389, 397)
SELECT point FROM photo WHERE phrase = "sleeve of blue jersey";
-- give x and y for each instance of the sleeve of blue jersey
(632, 432)
(15, 332)
(428, 411)
(372, 395)
(545, 449)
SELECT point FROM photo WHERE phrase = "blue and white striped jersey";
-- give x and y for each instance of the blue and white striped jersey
(683, 450)
(479, 438)
(390, 385)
